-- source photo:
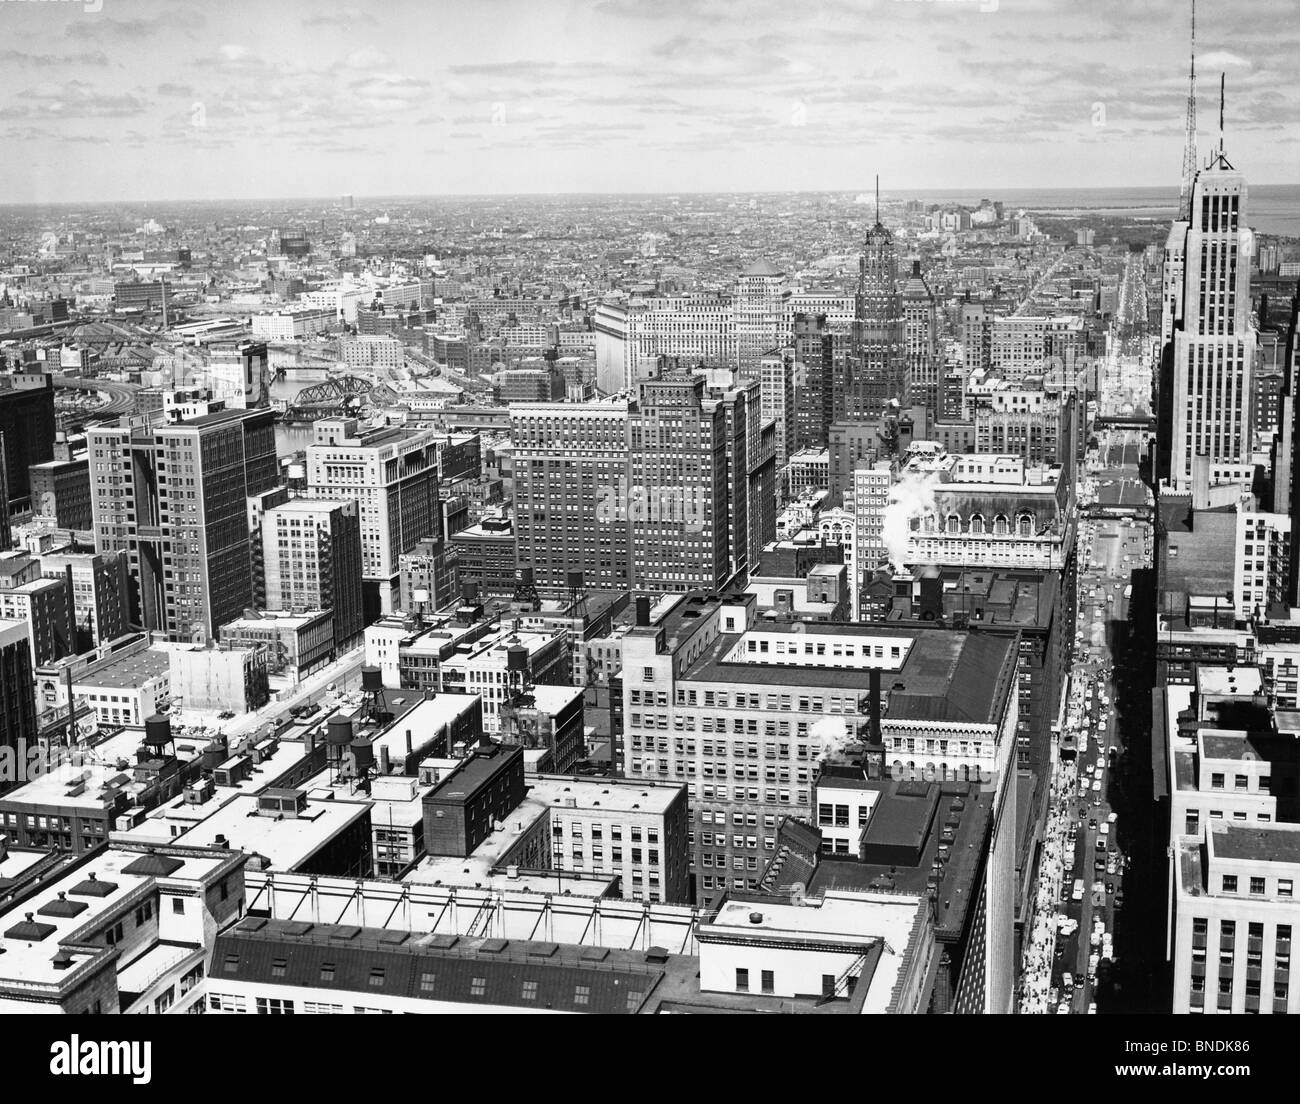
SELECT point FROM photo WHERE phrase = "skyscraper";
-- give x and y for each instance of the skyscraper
(677, 476)
(920, 341)
(175, 499)
(778, 398)
(877, 364)
(648, 494)
(816, 394)
(1214, 341)
(17, 697)
(570, 491)
(759, 309)
(393, 475)
(311, 553)
(27, 429)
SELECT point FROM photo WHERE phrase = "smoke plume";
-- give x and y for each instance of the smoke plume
(911, 497)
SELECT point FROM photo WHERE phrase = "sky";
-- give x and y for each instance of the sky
(119, 100)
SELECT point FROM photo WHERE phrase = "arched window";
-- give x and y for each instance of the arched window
(977, 523)
(1025, 525)
(915, 525)
(1001, 526)
(929, 523)
(954, 524)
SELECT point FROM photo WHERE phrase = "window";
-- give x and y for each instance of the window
(377, 977)
(530, 991)
(582, 994)
(1284, 887)
(231, 965)
(327, 971)
(477, 986)
(768, 982)
(178, 906)
(1230, 883)
(426, 982)
(1257, 886)
(828, 985)
(278, 967)
(742, 980)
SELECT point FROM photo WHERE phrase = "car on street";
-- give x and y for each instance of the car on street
(1092, 824)
(1112, 817)
(1105, 828)
(1110, 889)
(1096, 799)
(1119, 899)
(1096, 785)
(1067, 982)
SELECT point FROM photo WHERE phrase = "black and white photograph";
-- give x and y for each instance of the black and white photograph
(638, 507)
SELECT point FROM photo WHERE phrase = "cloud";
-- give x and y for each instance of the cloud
(74, 100)
(344, 17)
(368, 57)
(98, 29)
(23, 57)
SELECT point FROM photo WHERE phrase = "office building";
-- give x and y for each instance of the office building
(60, 491)
(393, 475)
(635, 829)
(759, 313)
(1207, 387)
(27, 429)
(876, 371)
(127, 929)
(923, 361)
(174, 499)
(311, 553)
(101, 594)
(17, 694)
(819, 399)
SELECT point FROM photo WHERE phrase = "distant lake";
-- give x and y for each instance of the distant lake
(1271, 208)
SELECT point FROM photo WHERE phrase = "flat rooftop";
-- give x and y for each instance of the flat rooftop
(606, 794)
(284, 843)
(1270, 843)
(80, 784)
(73, 903)
(128, 672)
(945, 675)
(1218, 744)
(1241, 682)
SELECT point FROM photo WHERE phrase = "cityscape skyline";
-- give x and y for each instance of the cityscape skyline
(382, 100)
(821, 586)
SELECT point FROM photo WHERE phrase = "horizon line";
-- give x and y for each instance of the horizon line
(335, 197)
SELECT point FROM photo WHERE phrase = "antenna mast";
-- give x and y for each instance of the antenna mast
(1189, 141)
(877, 199)
(1223, 77)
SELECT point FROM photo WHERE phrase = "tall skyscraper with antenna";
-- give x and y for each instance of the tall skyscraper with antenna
(878, 356)
(1206, 387)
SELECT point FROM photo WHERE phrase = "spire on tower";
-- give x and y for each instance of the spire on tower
(877, 199)
(1189, 141)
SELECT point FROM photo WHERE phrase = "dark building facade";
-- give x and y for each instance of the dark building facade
(460, 812)
(27, 425)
